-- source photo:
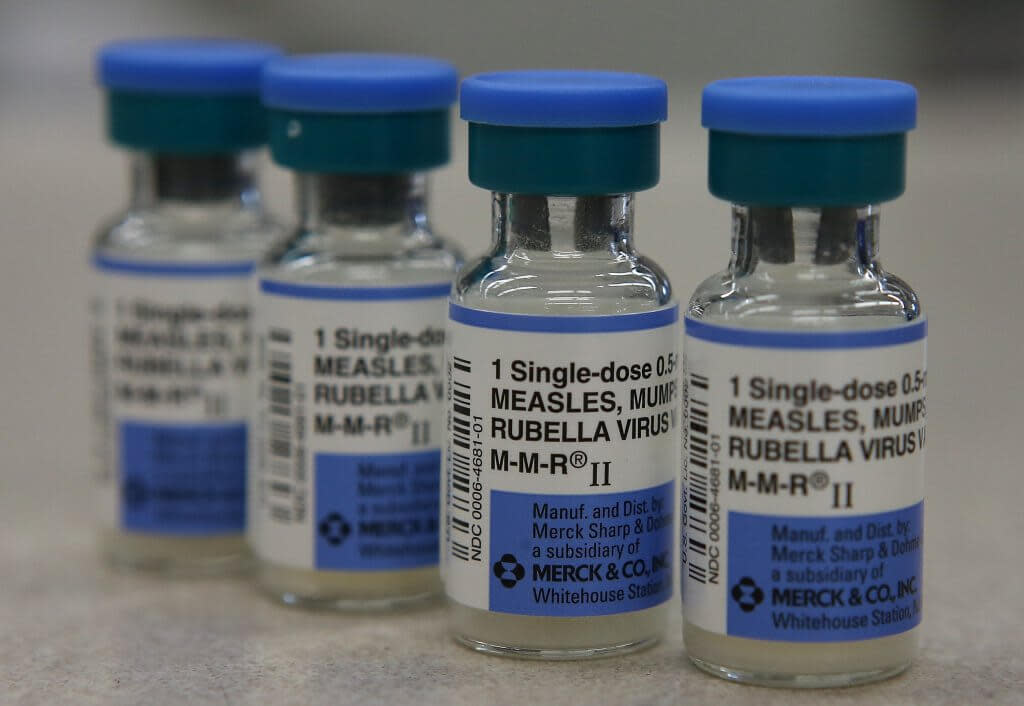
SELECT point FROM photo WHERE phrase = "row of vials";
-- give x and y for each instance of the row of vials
(359, 411)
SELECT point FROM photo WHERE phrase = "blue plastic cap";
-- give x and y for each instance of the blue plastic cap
(809, 106)
(564, 99)
(359, 83)
(183, 66)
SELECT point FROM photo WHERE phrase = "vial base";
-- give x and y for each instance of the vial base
(547, 638)
(799, 665)
(350, 591)
(219, 555)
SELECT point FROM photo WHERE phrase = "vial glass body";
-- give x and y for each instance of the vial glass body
(568, 257)
(186, 213)
(802, 270)
(357, 234)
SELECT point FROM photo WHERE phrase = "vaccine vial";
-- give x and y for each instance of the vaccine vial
(804, 394)
(563, 399)
(350, 335)
(170, 309)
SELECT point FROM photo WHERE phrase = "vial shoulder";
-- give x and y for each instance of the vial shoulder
(242, 234)
(861, 297)
(309, 256)
(571, 285)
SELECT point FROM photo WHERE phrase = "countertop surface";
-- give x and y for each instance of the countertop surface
(74, 632)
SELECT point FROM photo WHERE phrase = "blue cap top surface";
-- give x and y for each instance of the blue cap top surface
(809, 106)
(564, 99)
(183, 66)
(359, 83)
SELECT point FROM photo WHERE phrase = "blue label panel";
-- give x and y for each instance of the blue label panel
(182, 479)
(376, 512)
(825, 579)
(581, 555)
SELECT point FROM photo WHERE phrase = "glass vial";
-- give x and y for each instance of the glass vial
(804, 394)
(562, 415)
(350, 335)
(170, 327)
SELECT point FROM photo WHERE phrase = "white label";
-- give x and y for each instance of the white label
(562, 451)
(351, 394)
(803, 482)
(170, 363)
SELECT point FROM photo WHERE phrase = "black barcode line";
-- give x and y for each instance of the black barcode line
(281, 485)
(460, 418)
(460, 465)
(695, 546)
(460, 550)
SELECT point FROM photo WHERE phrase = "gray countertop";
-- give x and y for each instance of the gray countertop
(73, 632)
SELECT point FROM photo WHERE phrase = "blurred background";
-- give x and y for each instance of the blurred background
(955, 235)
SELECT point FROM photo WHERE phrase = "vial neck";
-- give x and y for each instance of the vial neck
(362, 212)
(188, 181)
(536, 228)
(815, 242)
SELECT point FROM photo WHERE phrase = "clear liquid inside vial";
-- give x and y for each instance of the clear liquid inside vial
(560, 256)
(799, 269)
(186, 209)
(358, 230)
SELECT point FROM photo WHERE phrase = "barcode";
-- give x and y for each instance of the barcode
(460, 467)
(695, 548)
(100, 392)
(280, 482)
